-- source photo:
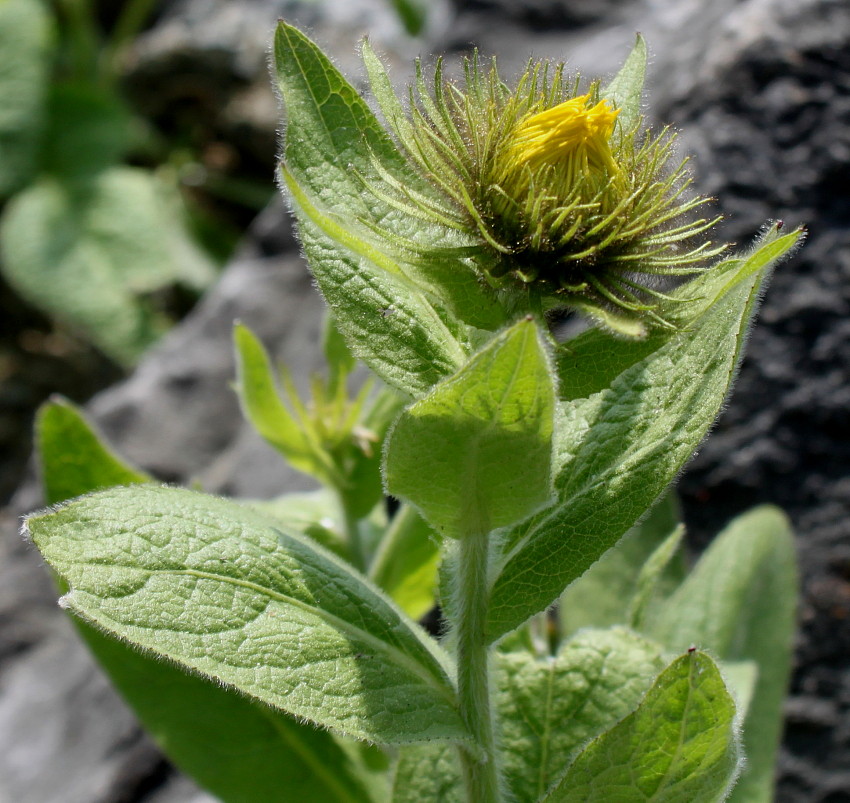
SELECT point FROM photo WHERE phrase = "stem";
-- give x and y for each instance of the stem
(480, 769)
(351, 529)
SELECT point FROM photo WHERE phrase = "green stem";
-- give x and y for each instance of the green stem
(351, 528)
(480, 768)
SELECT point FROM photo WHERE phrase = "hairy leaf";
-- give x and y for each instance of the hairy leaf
(238, 749)
(475, 453)
(73, 457)
(550, 707)
(412, 319)
(223, 591)
(619, 449)
(680, 744)
(626, 89)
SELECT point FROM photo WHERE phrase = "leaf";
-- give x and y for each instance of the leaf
(308, 513)
(73, 457)
(238, 749)
(740, 602)
(549, 707)
(263, 407)
(221, 590)
(87, 253)
(26, 44)
(341, 362)
(617, 451)
(412, 13)
(650, 576)
(602, 595)
(428, 772)
(626, 88)
(475, 453)
(407, 563)
(234, 747)
(680, 744)
(591, 361)
(412, 320)
(88, 130)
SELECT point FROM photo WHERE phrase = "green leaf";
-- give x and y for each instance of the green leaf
(617, 451)
(407, 563)
(602, 595)
(87, 254)
(550, 707)
(591, 361)
(411, 319)
(312, 513)
(428, 772)
(341, 362)
(740, 602)
(263, 407)
(650, 576)
(475, 453)
(412, 13)
(221, 590)
(73, 457)
(88, 130)
(26, 45)
(626, 88)
(680, 744)
(236, 748)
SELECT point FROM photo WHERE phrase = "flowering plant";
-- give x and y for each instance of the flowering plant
(575, 658)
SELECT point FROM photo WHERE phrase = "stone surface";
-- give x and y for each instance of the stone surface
(761, 92)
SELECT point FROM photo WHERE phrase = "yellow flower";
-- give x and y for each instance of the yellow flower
(562, 202)
(574, 137)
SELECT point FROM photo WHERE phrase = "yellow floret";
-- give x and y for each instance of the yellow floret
(573, 138)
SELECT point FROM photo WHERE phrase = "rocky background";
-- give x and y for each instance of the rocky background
(761, 92)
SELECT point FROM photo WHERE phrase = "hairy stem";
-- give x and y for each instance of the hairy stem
(480, 768)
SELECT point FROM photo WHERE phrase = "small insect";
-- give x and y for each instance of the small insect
(692, 649)
(387, 311)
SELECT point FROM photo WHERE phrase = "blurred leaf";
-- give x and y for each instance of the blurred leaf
(412, 13)
(88, 130)
(87, 252)
(407, 562)
(679, 745)
(740, 602)
(26, 45)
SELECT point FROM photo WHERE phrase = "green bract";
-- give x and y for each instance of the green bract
(513, 489)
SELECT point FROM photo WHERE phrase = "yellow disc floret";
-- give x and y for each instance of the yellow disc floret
(573, 136)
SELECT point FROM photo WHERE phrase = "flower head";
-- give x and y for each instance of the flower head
(569, 205)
